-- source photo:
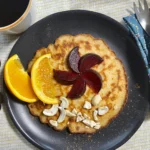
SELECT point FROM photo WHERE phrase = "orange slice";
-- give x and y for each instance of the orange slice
(41, 79)
(18, 81)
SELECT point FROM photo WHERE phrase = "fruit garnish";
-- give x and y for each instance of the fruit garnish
(88, 61)
(78, 88)
(65, 77)
(41, 79)
(18, 81)
(73, 59)
(83, 77)
(93, 80)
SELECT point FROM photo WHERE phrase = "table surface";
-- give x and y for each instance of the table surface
(10, 137)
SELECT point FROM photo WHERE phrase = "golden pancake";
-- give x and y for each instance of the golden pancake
(113, 92)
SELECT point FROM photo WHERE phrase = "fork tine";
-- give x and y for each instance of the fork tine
(136, 10)
(140, 6)
(146, 5)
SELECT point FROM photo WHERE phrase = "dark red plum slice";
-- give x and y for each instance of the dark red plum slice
(89, 60)
(73, 59)
(65, 77)
(93, 80)
(78, 89)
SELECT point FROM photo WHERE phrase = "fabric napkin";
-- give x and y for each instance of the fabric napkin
(141, 37)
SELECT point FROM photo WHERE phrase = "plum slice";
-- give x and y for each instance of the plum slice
(78, 88)
(73, 59)
(65, 77)
(93, 80)
(89, 60)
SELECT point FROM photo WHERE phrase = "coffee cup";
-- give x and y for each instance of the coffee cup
(16, 16)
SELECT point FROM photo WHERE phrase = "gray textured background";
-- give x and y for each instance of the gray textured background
(10, 137)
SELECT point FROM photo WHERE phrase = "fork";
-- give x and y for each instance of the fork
(143, 15)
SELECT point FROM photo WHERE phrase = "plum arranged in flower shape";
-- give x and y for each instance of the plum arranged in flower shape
(80, 73)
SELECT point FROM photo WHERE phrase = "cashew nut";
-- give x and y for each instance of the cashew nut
(79, 117)
(95, 115)
(90, 123)
(64, 102)
(96, 99)
(97, 126)
(70, 114)
(62, 115)
(103, 110)
(53, 123)
(87, 105)
(52, 111)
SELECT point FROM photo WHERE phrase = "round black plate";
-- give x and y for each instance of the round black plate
(118, 38)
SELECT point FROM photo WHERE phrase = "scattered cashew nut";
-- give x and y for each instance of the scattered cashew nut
(62, 115)
(70, 114)
(53, 123)
(87, 105)
(96, 100)
(103, 110)
(90, 123)
(64, 102)
(95, 112)
(52, 111)
(97, 126)
(79, 117)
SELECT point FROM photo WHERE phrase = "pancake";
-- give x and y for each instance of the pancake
(114, 89)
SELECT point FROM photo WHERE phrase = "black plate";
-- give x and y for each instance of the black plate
(118, 38)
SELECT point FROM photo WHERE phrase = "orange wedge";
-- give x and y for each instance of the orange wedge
(18, 81)
(41, 79)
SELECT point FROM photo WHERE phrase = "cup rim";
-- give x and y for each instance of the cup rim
(18, 20)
